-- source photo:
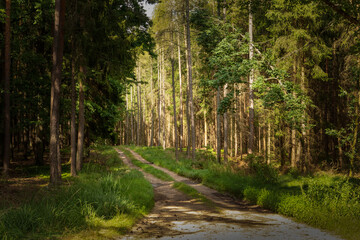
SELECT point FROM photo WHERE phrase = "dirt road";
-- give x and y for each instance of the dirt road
(177, 216)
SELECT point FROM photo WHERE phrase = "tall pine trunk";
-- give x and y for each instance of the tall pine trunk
(80, 143)
(6, 160)
(226, 130)
(138, 142)
(181, 130)
(159, 101)
(218, 127)
(191, 104)
(174, 99)
(251, 80)
(58, 45)
(152, 107)
(73, 118)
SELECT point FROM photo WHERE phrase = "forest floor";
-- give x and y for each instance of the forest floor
(179, 216)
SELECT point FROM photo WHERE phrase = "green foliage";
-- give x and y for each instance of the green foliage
(262, 171)
(97, 195)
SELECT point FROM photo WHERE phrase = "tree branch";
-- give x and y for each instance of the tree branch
(341, 12)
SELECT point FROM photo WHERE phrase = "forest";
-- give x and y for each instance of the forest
(259, 99)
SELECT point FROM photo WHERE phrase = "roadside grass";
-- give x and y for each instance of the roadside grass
(325, 201)
(192, 192)
(147, 168)
(188, 190)
(104, 201)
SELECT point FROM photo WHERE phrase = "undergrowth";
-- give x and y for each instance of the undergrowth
(324, 201)
(104, 201)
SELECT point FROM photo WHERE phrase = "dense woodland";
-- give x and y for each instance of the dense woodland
(278, 79)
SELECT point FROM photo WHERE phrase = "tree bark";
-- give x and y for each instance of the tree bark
(218, 127)
(80, 143)
(187, 102)
(251, 80)
(58, 45)
(139, 109)
(73, 118)
(163, 74)
(205, 130)
(181, 98)
(174, 96)
(6, 160)
(188, 45)
(152, 106)
(268, 153)
(159, 103)
(226, 130)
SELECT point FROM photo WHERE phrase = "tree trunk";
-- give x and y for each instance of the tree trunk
(152, 106)
(80, 143)
(73, 118)
(205, 130)
(251, 80)
(226, 130)
(188, 45)
(6, 160)
(218, 127)
(188, 138)
(139, 109)
(174, 106)
(132, 114)
(159, 103)
(181, 98)
(163, 74)
(268, 145)
(58, 45)
(293, 148)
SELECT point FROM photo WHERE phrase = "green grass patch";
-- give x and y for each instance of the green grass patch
(324, 201)
(192, 192)
(104, 201)
(147, 168)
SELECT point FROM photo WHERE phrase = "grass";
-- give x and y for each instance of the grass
(104, 201)
(188, 190)
(324, 201)
(193, 193)
(147, 168)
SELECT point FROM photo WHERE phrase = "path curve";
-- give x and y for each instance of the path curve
(177, 216)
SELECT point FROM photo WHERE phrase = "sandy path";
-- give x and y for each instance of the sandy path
(177, 216)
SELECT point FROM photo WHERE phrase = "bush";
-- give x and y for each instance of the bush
(263, 172)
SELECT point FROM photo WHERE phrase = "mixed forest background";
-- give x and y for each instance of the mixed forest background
(275, 79)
